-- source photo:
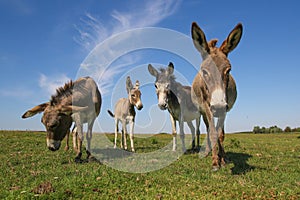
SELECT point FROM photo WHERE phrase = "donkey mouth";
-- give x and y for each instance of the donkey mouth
(163, 107)
(139, 107)
(53, 145)
(218, 112)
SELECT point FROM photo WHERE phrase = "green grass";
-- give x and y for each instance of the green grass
(265, 166)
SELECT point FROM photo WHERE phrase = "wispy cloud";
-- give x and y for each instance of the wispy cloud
(49, 84)
(91, 31)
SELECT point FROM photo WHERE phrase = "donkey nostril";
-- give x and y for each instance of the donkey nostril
(52, 148)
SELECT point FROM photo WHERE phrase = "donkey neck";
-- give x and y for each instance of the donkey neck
(130, 106)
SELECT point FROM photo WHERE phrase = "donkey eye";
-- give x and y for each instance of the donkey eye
(227, 72)
(133, 95)
(155, 86)
(205, 73)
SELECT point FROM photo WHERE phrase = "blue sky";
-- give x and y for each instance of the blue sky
(45, 43)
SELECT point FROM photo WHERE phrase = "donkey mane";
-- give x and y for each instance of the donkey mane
(212, 43)
(62, 92)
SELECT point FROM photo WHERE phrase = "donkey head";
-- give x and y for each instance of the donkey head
(134, 93)
(56, 119)
(163, 83)
(215, 68)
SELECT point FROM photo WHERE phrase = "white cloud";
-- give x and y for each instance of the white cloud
(92, 31)
(51, 83)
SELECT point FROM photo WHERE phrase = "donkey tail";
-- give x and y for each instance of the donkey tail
(110, 113)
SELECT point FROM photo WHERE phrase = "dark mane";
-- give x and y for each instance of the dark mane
(62, 92)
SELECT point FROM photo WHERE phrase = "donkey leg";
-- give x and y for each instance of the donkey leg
(131, 135)
(79, 143)
(221, 148)
(89, 136)
(208, 141)
(116, 132)
(192, 128)
(75, 135)
(221, 135)
(67, 140)
(198, 132)
(124, 134)
(213, 140)
(182, 136)
(174, 133)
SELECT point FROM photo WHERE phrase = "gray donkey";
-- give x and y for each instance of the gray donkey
(125, 112)
(177, 99)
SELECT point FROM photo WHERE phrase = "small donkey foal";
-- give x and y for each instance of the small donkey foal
(125, 112)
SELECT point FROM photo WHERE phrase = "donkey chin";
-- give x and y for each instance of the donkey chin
(139, 106)
(219, 110)
(53, 145)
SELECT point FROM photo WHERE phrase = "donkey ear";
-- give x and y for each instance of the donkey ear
(137, 84)
(232, 40)
(199, 40)
(129, 85)
(152, 70)
(35, 110)
(170, 68)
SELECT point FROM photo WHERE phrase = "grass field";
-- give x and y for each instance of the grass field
(265, 166)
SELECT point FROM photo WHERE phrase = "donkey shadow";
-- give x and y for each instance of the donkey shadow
(111, 153)
(239, 161)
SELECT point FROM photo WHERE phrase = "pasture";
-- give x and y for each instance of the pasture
(263, 166)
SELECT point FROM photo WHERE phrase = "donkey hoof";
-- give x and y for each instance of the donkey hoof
(215, 168)
(78, 160)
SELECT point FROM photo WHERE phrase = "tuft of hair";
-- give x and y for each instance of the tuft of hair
(110, 113)
(212, 43)
(61, 92)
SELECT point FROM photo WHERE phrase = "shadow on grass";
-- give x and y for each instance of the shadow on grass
(298, 137)
(110, 153)
(240, 162)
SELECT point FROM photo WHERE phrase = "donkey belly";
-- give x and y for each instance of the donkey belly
(190, 115)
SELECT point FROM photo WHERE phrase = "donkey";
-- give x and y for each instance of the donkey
(214, 89)
(125, 112)
(177, 99)
(78, 101)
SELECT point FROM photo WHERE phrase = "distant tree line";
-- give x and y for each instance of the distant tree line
(274, 129)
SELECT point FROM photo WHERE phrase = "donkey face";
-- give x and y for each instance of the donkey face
(215, 68)
(57, 124)
(162, 84)
(57, 121)
(134, 93)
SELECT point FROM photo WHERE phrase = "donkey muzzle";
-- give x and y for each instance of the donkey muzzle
(53, 145)
(163, 106)
(218, 110)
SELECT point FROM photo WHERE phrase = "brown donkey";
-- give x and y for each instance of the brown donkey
(78, 101)
(214, 89)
